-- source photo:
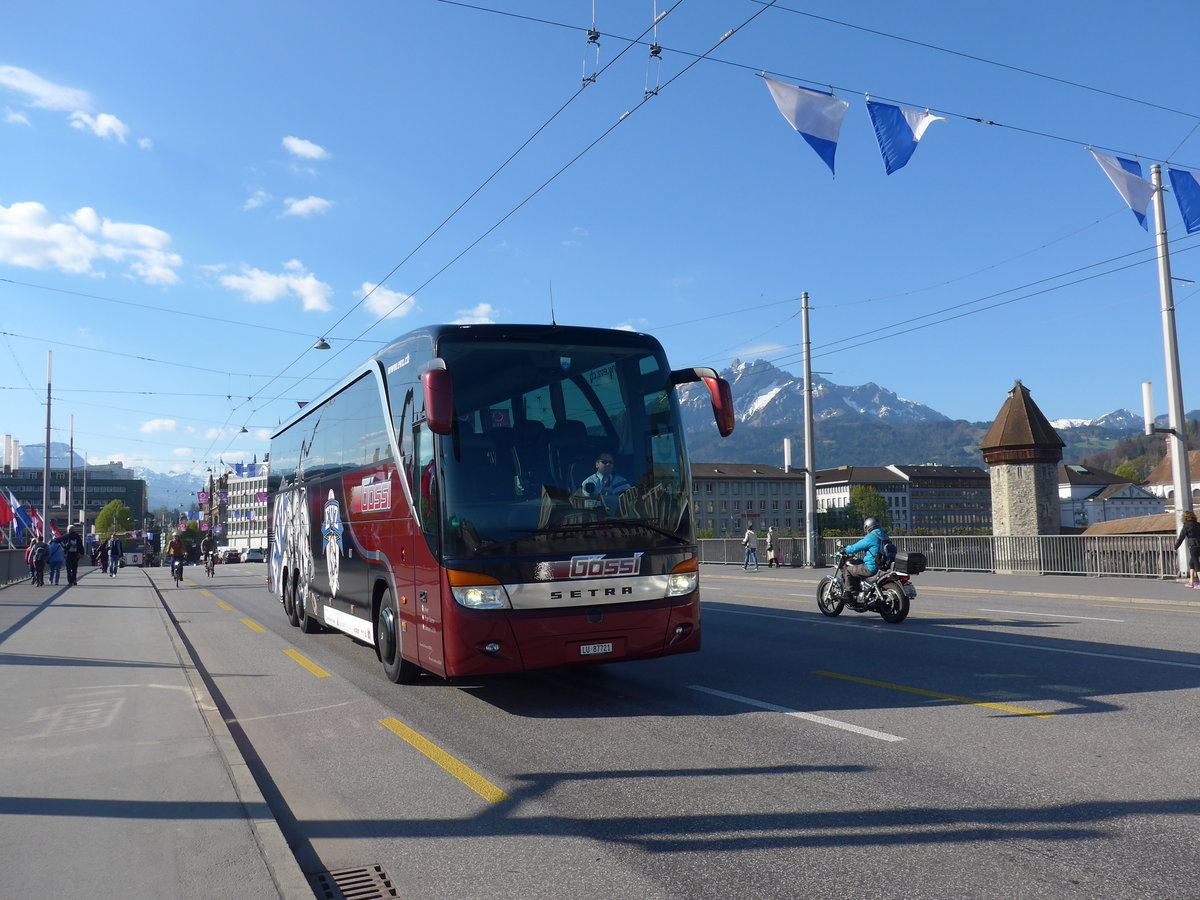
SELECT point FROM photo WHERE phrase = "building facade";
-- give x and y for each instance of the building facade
(729, 496)
(939, 499)
(1088, 496)
(91, 490)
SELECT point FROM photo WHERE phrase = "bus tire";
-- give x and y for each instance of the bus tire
(309, 624)
(387, 643)
(289, 601)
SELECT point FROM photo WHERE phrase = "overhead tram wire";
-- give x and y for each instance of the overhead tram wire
(826, 86)
(646, 98)
(442, 224)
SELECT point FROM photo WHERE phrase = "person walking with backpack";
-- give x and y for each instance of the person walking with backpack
(38, 553)
(114, 555)
(54, 560)
(72, 545)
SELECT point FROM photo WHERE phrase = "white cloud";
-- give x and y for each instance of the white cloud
(213, 433)
(306, 207)
(31, 237)
(387, 304)
(41, 93)
(304, 149)
(155, 425)
(262, 434)
(255, 200)
(257, 286)
(483, 314)
(13, 117)
(145, 144)
(182, 451)
(103, 125)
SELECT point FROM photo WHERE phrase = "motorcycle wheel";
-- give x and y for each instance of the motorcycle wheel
(826, 601)
(894, 605)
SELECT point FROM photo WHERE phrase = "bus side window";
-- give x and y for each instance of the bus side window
(405, 429)
(425, 480)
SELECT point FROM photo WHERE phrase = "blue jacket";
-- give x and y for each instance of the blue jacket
(871, 544)
(56, 554)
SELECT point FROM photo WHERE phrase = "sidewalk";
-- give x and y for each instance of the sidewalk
(120, 779)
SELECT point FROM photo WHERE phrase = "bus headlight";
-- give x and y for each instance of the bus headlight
(681, 583)
(482, 596)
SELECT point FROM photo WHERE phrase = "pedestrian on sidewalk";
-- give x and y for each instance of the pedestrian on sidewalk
(72, 545)
(102, 555)
(29, 562)
(1190, 532)
(54, 560)
(114, 555)
(772, 552)
(750, 542)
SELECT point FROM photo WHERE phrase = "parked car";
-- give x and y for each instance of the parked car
(232, 556)
(254, 555)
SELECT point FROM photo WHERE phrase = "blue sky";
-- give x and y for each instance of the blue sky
(191, 196)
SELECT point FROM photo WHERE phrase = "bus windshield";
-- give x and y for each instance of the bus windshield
(553, 443)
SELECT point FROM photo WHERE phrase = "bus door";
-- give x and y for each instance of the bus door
(426, 571)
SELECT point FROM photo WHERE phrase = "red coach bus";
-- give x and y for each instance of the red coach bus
(479, 499)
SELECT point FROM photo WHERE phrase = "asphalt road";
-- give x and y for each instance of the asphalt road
(999, 743)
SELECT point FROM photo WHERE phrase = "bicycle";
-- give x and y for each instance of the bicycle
(177, 571)
(210, 564)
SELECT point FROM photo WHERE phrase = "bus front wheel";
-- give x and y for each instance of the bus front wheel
(387, 641)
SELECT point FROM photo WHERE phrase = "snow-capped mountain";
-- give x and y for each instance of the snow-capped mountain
(1118, 420)
(766, 395)
(162, 489)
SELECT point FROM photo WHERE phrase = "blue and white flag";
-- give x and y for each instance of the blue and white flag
(1187, 195)
(898, 131)
(1126, 176)
(24, 520)
(815, 114)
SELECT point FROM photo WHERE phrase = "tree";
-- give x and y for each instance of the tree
(115, 518)
(866, 501)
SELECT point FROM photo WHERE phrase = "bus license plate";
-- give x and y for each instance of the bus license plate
(595, 649)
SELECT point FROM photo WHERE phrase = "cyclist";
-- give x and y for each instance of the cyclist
(208, 552)
(176, 553)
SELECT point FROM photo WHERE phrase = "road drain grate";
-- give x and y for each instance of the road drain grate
(368, 883)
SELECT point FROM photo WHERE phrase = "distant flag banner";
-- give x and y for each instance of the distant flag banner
(222, 496)
(815, 114)
(260, 497)
(1126, 176)
(1187, 195)
(898, 132)
(6, 513)
(204, 526)
(22, 514)
(183, 524)
(202, 496)
(38, 527)
(54, 532)
(218, 528)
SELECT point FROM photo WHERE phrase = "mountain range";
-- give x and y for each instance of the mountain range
(859, 425)
(162, 489)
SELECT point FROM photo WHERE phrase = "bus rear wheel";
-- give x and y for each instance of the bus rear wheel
(387, 642)
(289, 602)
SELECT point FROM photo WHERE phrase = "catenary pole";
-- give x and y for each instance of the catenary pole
(71, 476)
(810, 474)
(46, 456)
(1177, 437)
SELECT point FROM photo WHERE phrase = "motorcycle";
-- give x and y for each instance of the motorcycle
(889, 591)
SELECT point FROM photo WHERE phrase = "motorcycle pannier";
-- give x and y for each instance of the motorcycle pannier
(910, 563)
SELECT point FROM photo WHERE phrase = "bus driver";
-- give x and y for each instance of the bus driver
(606, 485)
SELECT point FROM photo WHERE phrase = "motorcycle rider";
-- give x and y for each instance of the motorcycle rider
(870, 546)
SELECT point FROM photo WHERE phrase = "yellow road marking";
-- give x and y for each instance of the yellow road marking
(466, 775)
(253, 626)
(910, 690)
(307, 663)
(225, 606)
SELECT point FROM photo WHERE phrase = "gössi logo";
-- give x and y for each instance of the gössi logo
(597, 566)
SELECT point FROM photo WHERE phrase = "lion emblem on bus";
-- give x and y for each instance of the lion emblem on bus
(331, 536)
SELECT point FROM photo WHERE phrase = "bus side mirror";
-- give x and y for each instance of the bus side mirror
(722, 404)
(439, 400)
(718, 390)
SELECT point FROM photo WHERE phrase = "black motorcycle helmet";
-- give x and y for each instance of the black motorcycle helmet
(870, 523)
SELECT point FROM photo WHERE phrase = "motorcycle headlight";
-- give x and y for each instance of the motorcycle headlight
(482, 596)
